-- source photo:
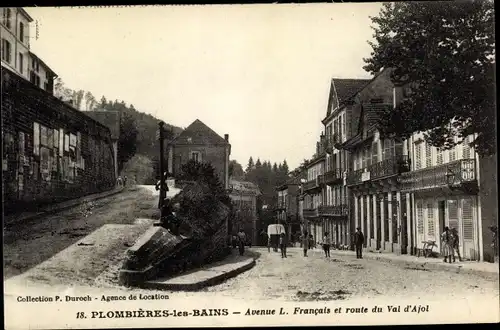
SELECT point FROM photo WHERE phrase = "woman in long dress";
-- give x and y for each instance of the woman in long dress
(447, 240)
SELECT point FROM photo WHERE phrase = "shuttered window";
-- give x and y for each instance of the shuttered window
(420, 219)
(428, 155)
(452, 213)
(431, 232)
(466, 149)
(452, 154)
(439, 156)
(418, 156)
(467, 219)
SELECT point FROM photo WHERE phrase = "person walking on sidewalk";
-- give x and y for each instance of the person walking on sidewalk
(241, 241)
(359, 240)
(447, 240)
(283, 245)
(305, 243)
(326, 245)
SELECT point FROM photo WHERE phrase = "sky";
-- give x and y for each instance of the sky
(260, 73)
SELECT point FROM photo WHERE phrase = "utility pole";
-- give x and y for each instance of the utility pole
(163, 185)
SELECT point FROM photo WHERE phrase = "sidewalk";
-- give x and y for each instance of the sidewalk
(472, 267)
(208, 275)
(13, 219)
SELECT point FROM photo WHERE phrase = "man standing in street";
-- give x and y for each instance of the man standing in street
(305, 243)
(359, 240)
(241, 241)
(455, 244)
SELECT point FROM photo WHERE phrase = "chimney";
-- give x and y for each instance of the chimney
(226, 137)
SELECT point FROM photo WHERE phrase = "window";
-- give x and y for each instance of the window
(6, 51)
(428, 155)
(21, 63)
(374, 153)
(466, 149)
(452, 154)
(46, 86)
(431, 232)
(196, 156)
(439, 156)
(388, 149)
(21, 31)
(418, 156)
(420, 219)
(7, 15)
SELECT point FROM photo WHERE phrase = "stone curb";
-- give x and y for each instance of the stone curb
(200, 284)
(422, 265)
(57, 208)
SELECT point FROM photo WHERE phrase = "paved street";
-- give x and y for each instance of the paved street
(345, 277)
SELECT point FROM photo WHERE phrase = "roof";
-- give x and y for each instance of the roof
(346, 88)
(244, 187)
(43, 63)
(25, 13)
(200, 134)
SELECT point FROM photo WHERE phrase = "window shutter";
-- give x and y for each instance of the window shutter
(467, 219)
(439, 156)
(418, 156)
(431, 232)
(453, 213)
(428, 155)
(420, 219)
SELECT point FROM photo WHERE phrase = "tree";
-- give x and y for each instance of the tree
(127, 141)
(445, 52)
(61, 91)
(250, 165)
(204, 173)
(236, 170)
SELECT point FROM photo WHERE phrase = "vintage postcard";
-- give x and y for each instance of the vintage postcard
(249, 165)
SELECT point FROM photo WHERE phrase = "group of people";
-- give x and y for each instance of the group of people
(239, 240)
(308, 243)
(451, 244)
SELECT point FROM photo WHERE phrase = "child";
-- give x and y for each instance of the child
(326, 245)
(305, 243)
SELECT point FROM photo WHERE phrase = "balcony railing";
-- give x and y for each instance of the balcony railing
(457, 174)
(314, 184)
(385, 168)
(333, 176)
(308, 213)
(335, 210)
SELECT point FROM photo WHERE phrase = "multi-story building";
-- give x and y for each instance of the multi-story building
(375, 165)
(200, 143)
(442, 190)
(335, 208)
(313, 190)
(287, 208)
(244, 195)
(15, 49)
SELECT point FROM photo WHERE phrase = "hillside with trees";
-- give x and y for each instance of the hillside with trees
(138, 145)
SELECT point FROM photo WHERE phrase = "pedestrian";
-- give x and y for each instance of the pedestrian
(311, 242)
(268, 243)
(456, 244)
(359, 240)
(234, 241)
(305, 243)
(447, 240)
(241, 241)
(125, 180)
(326, 245)
(283, 245)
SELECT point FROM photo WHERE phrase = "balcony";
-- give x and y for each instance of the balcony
(310, 213)
(281, 206)
(333, 176)
(314, 184)
(333, 210)
(383, 169)
(457, 175)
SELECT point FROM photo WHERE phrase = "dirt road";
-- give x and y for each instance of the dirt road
(29, 244)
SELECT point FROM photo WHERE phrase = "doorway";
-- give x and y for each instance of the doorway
(404, 225)
(441, 215)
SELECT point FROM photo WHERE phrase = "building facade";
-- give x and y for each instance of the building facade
(287, 208)
(51, 151)
(15, 35)
(442, 191)
(200, 143)
(244, 195)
